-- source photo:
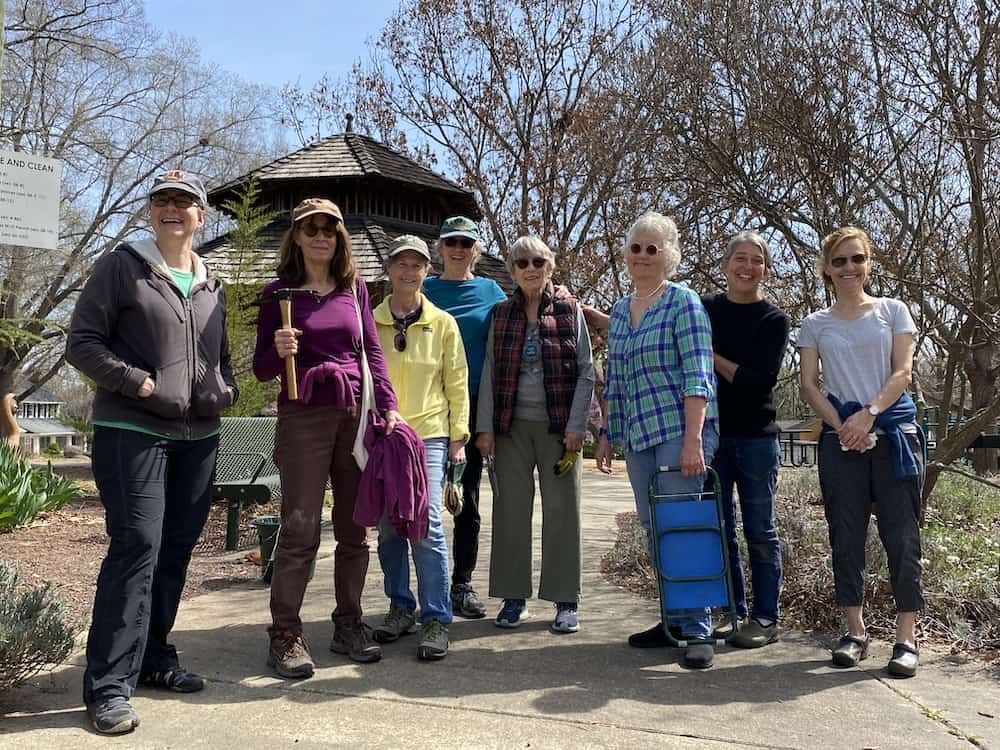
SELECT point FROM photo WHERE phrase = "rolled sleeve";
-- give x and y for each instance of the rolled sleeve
(693, 336)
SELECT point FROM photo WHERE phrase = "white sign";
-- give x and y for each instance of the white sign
(29, 200)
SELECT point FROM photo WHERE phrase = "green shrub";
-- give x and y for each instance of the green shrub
(33, 629)
(26, 492)
(54, 450)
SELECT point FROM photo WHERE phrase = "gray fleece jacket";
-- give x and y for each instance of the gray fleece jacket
(132, 322)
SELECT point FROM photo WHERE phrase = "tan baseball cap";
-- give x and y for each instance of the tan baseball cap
(408, 242)
(311, 206)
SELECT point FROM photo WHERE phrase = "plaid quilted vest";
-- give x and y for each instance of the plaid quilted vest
(557, 333)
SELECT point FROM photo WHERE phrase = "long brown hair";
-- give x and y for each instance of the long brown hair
(292, 267)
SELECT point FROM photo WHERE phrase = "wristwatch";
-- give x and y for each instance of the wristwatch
(872, 409)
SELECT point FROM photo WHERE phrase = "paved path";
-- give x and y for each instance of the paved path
(527, 688)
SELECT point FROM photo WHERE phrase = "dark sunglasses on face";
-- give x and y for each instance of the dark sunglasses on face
(311, 230)
(465, 242)
(635, 248)
(183, 202)
(536, 262)
(840, 262)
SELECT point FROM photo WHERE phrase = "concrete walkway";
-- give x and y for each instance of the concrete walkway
(526, 688)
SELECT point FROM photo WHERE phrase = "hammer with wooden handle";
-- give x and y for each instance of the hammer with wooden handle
(284, 298)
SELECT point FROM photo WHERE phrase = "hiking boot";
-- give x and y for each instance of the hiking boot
(355, 640)
(699, 656)
(179, 680)
(512, 613)
(397, 623)
(904, 661)
(654, 637)
(289, 657)
(566, 620)
(433, 641)
(850, 649)
(755, 635)
(465, 602)
(113, 715)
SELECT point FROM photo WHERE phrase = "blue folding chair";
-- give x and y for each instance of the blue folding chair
(691, 558)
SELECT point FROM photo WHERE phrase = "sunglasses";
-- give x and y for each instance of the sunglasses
(635, 248)
(535, 262)
(399, 340)
(182, 202)
(841, 261)
(311, 230)
(465, 242)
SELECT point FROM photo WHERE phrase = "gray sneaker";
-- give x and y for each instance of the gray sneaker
(398, 622)
(755, 635)
(289, 657)
(433, 641)
(113, 716)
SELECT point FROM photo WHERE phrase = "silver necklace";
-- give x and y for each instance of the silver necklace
(650, 294)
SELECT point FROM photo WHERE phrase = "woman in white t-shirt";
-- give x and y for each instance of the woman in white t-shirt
(870, 452)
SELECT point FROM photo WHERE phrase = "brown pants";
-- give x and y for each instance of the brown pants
(311, 444)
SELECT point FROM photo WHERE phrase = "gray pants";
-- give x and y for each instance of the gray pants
(530, 445)
(851, 484)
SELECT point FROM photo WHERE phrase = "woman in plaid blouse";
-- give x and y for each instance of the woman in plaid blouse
(661, 394)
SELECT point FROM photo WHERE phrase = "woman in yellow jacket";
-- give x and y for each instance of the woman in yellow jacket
(426, 362)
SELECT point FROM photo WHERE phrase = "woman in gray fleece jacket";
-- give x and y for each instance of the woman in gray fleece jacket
(149, 329)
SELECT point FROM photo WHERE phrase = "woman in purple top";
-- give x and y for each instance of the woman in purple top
(315, 434)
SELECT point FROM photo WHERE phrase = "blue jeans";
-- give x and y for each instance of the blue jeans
(430, 555)
(751, 464)
(641, 467)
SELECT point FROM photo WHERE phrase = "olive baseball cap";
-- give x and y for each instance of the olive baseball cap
(311, 206)
(186, 182)
(408, 242)
(460, 226)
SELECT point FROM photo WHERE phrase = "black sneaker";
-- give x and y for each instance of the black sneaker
(113, 715)
(179, 680)
(654, 637)
(356, 641)
(465, 602)
(699, 656)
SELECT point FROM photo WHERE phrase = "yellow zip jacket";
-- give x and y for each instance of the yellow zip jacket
(431, 378)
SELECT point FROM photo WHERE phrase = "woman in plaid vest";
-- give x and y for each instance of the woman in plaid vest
(535, 391)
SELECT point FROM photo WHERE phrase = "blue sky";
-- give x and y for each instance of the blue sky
(276, 42)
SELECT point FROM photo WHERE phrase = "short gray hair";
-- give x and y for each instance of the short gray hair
(751, 238)
(529, 247)
(663, 227)
(477, 249)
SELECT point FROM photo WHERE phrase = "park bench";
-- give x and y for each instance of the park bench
(244, 469)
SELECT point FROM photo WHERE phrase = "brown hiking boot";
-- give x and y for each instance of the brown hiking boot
(355, 640)
(288, 655)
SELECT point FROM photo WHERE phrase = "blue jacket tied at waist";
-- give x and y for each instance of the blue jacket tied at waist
(904, 463)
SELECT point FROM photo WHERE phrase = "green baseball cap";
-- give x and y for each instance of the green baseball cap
(460, 226)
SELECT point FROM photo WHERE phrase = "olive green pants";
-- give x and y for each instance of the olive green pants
(529, 445)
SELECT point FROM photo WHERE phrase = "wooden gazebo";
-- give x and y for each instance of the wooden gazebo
(382, 194)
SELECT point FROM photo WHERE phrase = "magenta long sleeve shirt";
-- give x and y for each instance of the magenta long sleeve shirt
(330, 334)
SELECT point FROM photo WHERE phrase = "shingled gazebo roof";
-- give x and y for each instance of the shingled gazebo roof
(381, 193)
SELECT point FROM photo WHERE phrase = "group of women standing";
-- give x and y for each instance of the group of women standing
(462, 375)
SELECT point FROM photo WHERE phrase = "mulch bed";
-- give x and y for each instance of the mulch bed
(67, 546)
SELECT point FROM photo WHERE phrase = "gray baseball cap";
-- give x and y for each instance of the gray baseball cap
(408, 242)
(186, 182)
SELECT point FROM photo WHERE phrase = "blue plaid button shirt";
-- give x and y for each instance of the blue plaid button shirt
(654, 367)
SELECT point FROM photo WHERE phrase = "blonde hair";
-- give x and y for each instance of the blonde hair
(832, 241)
